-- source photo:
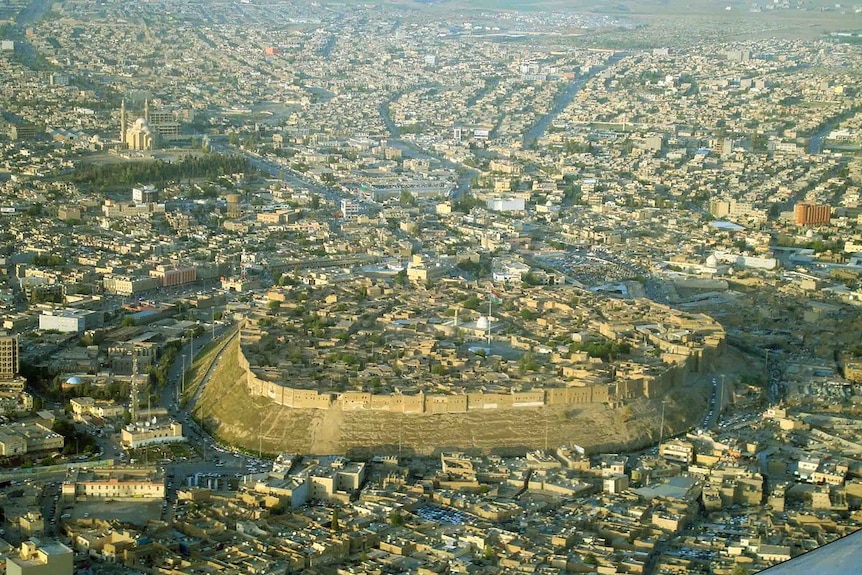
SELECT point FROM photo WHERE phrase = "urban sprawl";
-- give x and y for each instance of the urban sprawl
(424, 287)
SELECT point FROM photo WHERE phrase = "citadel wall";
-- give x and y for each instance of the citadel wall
(681, 359)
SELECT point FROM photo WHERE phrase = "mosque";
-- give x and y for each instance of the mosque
(138, 136)
(148, 132)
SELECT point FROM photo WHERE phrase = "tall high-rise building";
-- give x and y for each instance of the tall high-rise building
(12, 384)
(234, 208)
(811, 214)
(8, 356)
(349, 209)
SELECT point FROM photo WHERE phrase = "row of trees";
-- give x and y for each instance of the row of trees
(159, 372)
(604, 350)
(209, 166)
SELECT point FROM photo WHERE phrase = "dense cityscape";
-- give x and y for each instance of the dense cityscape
(429, 287)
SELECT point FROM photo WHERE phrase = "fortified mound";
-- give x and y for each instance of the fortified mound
(361, 368)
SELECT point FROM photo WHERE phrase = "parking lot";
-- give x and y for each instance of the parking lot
(441, 515)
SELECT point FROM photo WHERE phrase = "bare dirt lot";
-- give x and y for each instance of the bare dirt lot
(136, 512)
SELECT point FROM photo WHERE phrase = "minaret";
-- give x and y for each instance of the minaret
(123, 122)
(134, 402)
(147, 109)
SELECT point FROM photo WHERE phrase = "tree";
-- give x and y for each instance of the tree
(438, 369)
(527, 314)
(473, 302)
(759, 142)
(406, 200)
(488, 553)
(526, 362)
(396, 519)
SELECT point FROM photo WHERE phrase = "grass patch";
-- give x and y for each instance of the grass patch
(226, 398)
(207, 356)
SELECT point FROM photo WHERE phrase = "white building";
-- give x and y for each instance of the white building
(506, 204)
(151, 432)
(677, 450)
(69, 320)
(349, 209)
(145, 194)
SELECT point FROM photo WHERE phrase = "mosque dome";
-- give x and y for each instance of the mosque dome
(140, 135)
(141, 125)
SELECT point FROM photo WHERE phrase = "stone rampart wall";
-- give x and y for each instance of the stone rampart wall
(681, 359)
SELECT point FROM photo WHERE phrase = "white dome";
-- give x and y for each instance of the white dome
(711, 261)
(74, 380)
(482, 322)
(141, 126)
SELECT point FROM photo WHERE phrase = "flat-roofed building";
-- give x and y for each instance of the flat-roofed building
(11, 444)
(129, 286)
(811, 214)
(23, 131)
(334, 478)
(151, 432)
(145, 194)
(69, 320)
(27, 437)
(8, 356)
(677, 450)
(36, 558)
(114, 483)
(12, 396)
(169, 276)
(87, 406)
(291, 490)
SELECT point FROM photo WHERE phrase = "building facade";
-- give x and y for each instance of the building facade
(128, 286)
(138, 434)
(811, 214)
(70, 320)
(169, 276)
(21, 438)
(8, 356)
